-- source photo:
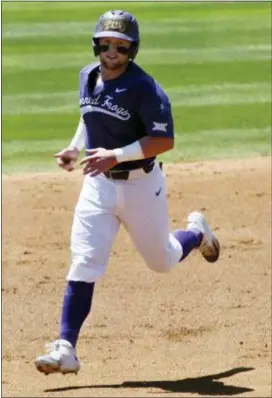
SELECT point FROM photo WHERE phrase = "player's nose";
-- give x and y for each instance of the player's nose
(112, 50)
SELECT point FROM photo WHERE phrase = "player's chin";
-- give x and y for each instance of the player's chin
(112, 64)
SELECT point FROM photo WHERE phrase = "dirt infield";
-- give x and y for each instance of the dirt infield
(201, 330)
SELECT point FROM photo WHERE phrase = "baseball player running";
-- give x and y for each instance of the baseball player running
(126, 121)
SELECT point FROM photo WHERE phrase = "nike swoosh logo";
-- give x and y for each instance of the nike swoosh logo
(158, 192)
(120, 90)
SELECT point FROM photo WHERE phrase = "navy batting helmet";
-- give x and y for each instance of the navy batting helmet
(119, 24)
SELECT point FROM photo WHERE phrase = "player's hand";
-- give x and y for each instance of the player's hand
(99, 160)
(67, 158)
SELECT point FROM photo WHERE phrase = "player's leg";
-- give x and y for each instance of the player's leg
(145, 216)
(93, 232)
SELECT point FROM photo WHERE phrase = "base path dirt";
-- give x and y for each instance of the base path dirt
(201, 330)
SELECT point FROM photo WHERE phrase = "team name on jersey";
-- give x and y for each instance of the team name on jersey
(105, 105)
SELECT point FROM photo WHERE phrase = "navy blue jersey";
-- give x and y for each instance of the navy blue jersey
(126, 109)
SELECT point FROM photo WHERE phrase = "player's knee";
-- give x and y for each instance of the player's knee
(84, 269)
(160, 261)
(161, 267)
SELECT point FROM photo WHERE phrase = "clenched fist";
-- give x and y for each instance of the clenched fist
(67, 158)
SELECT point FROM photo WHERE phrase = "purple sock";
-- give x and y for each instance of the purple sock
(189, 240)
(76, 306)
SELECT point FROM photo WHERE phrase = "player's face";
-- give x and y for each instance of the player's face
(113, 52)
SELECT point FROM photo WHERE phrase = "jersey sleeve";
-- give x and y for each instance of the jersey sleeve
(83, 76)
(78, 141)
(155, 111)
(83, 79)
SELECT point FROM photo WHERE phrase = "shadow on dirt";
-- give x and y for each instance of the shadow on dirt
(205, 385)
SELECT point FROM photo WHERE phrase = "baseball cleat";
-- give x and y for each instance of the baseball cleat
(209, 247)
(61, 358)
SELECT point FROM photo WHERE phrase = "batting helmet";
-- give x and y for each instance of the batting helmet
(119, 24)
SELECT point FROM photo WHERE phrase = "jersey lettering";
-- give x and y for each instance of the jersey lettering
(105, 106)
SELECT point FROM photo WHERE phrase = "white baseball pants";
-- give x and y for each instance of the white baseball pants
(140, 204)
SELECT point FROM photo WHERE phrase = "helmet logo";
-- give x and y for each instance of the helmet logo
(114, 25)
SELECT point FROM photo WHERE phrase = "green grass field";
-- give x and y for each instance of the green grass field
(213, 60)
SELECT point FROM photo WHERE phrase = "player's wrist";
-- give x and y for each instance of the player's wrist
(129, 152)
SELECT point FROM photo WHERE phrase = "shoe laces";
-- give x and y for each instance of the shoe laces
(52, 347)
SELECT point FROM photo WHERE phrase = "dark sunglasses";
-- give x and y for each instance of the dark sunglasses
(120, 49)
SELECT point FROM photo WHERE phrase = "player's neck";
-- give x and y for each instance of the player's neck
(108, 74)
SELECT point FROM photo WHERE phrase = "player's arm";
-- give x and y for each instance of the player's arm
(145, 147)
(68, 156)
(78, 141)
(156, 115)
(101, 159)
(153, 146)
